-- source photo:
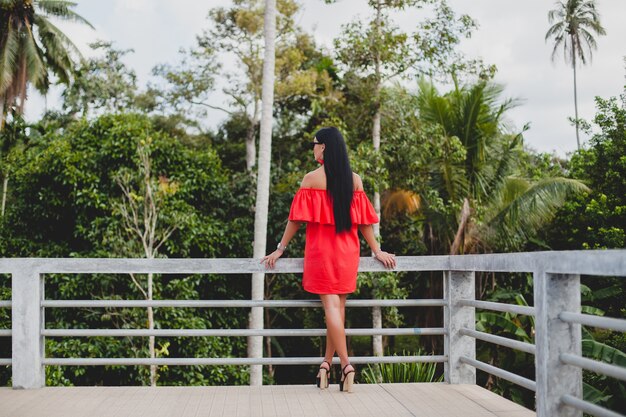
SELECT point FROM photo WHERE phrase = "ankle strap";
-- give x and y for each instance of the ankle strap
(344, 368)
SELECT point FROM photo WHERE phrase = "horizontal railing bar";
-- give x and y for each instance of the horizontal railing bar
(610, 262)
(6, 332)
(609, 323)
(5, 304)
(507, 308)
(499, 340)
(509, 376)
(589, 408)
(203, 265)
(429, 331)
(238, 361)
(236, 303)
(607, 369)
(6, 362)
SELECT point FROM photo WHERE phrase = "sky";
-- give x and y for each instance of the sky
(510, 35)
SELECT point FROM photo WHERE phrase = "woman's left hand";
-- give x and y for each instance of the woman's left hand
(270, 260)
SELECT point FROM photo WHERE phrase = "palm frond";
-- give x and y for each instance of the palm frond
(62, 10)
(505, 160)
(57, 49)
(524, 215)
(35, 66)
(9, 50)
(400, 201)
(572, 18)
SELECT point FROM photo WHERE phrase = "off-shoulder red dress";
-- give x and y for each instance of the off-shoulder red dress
(331, 260)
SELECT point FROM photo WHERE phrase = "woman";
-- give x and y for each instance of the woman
(332, 202)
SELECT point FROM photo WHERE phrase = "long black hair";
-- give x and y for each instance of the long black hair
(339, 183)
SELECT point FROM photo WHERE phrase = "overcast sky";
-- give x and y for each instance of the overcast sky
(510, 35)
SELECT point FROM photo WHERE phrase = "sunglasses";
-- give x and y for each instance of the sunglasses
(313, 143)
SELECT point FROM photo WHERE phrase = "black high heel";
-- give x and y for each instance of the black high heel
(323, 379)
(347, 378)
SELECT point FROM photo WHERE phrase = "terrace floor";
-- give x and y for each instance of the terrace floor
(366, 400)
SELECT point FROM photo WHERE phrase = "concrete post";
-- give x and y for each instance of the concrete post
(27, 322)
(555, 293)
(458, 285)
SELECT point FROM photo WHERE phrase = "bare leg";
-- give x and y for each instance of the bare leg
(330, 347)
(334, 309)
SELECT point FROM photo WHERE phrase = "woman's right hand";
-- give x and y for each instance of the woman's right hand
(270, 260)
(388, 259)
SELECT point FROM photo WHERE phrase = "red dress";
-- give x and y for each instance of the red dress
(331, 260)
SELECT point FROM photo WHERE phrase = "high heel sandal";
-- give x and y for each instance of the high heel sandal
(324, 377)
(347, 379)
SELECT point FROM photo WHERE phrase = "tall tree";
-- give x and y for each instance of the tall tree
(102, 84)
(31, 48)
(146, 220)
(237, 32)
(574, 23)
(255, 344)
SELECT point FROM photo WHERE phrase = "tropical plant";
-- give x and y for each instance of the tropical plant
(474, 170)
(32, 47)
(574, 23)
(401, 372)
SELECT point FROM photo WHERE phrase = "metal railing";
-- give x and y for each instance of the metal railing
(557, 349)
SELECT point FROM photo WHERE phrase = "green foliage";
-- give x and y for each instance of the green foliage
(63, 203)
(596, 220)
(401, 372)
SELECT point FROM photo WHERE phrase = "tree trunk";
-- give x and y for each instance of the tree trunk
(2, 115)
(5, 189)
(575, 94)
(250, 138)
(268, 345)
(377, 315)
(460, 233)
(5, 179)
(255, 343)
(153, 368)
(377, 341)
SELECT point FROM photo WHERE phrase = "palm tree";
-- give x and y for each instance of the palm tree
(255, 343)
(482, 177)
(32, 47)
(573, 22)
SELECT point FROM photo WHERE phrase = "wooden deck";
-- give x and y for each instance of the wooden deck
(367, 400)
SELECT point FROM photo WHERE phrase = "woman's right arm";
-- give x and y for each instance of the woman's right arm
(388, 259)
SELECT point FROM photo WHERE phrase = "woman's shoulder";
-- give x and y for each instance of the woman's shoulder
(314, 179)
(358, 183)
(317, 179)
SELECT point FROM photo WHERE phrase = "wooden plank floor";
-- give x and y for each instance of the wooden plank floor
(367, 400)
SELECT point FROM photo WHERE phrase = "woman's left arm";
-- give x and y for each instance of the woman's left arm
(290, 230)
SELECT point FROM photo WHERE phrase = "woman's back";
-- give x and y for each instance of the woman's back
(317, 179)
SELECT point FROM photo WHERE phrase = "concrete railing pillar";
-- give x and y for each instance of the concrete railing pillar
(555, 293)
(27, 322)
(458, 285)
